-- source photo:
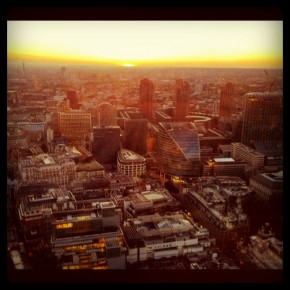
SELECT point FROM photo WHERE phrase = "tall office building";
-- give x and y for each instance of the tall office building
(136, 132)
(226, 100)
(106, 114)
(106, 144)
(146, 98)
(178, 149)
(73, 100)
(181, 99)
(263, 119)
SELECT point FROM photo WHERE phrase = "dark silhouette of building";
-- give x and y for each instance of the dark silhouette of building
(135, 133)
(181, 99)
(73, 100)
(263, 119)
(146, 98)
(106, 144)
(226, 100)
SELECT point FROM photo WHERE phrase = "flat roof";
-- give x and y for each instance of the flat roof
(223, 159)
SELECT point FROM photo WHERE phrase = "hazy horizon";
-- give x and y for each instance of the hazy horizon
(204, 44)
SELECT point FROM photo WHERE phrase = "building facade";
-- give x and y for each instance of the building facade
(240, 152)
(106, 144)
(226, 100)
(131, 163)
(263, 119)
(178, 149)
(146, 98)
(181, 99)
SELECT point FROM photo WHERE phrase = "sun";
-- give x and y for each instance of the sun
(128, 64)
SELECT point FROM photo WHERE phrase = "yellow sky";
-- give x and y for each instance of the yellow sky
(156, 43)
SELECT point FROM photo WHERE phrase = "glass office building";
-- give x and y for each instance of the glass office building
(178, 149)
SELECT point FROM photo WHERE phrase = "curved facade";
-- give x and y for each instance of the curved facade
(130, 163)
(178, 149)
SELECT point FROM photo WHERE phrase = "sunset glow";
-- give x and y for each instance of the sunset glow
(148, 43)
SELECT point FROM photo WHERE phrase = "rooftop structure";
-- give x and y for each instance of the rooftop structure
(156, 236)
(148, 202)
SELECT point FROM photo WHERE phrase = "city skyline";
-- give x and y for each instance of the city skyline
(221, 44)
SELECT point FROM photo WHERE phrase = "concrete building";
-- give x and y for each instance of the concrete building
(263, 118)
(17, 137)
(156, 237)
(62, 167)
(181, 99)
(267, 185)
(223, 166)
(178, 149)
(131, 163)
(106, 144)
(75, 125)
(216, 203)
(59, 169)
(73, 99)
(226, 100)
(106, 115)
(241, 152)
(149, 202)
(135, 135)
(146, 98)
(83, 234)
(264, 250)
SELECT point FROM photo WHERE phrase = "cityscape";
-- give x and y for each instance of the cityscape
(144, 145)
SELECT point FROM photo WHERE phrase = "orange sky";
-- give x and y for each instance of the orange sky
(148, 43)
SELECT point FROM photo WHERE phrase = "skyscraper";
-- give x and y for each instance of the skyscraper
(263, 119)
(146, 98)
(73, 100)
(181, 99)
(178, 149)
(226, 100)
(136, 133)
(106, 144)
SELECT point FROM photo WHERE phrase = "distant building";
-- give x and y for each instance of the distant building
(146, 98)
(241, 152)
(106, 144)
(73, 100)
(74, 125)
(106, 114)
(135, 135)
(267, 185)
(226, 100)
(130, 163)
(178, 149)
(181, 99)
(263, 119)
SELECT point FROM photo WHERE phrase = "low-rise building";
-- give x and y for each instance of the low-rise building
(156, 237)
(131, 163)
